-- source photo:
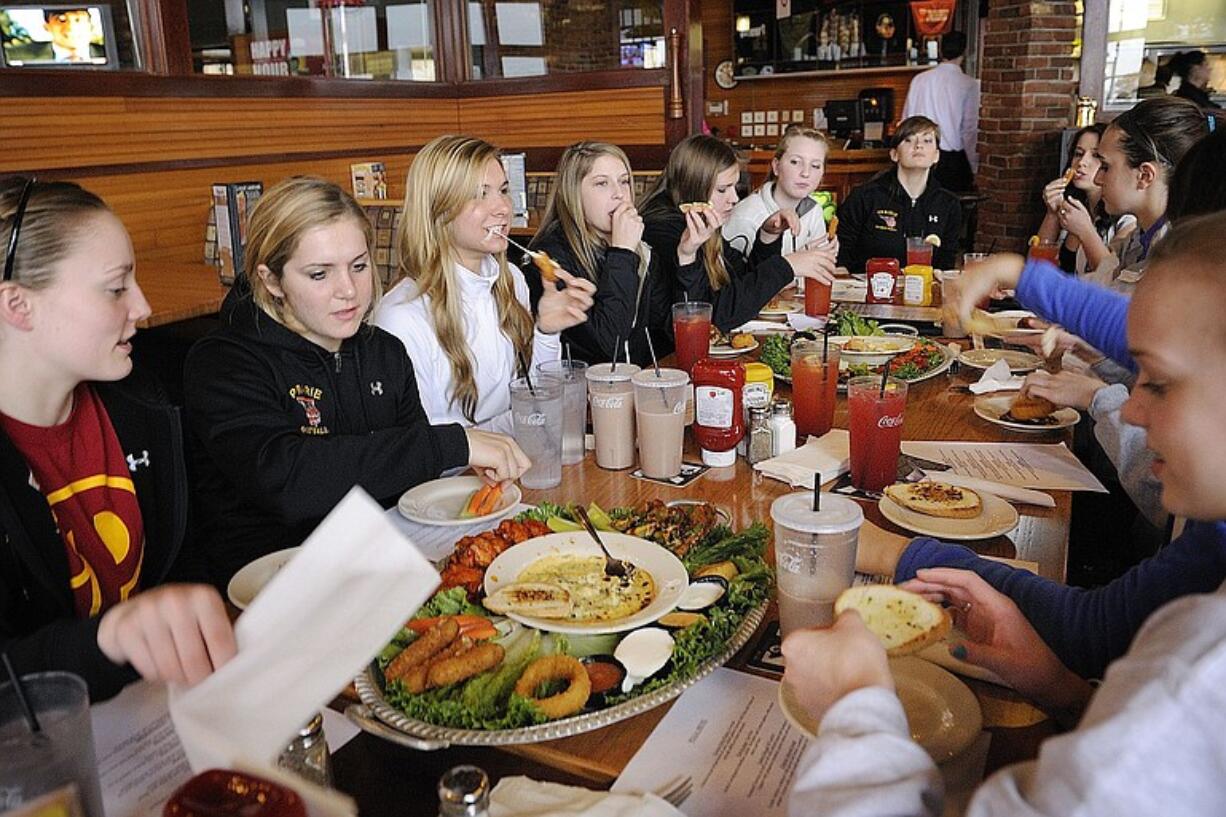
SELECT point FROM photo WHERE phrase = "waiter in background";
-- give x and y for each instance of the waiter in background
(951, 99)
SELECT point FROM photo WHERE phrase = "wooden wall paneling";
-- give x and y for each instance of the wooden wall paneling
(627, 116)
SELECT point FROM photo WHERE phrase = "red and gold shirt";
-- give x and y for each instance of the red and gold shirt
(80, 468)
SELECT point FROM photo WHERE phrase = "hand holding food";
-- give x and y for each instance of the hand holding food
(1053, 192)
(904, 621)
(546, 266)
(818, 263)
(832, 229)
(1065, 388)
(563, 308)
(819, 682)
(1000, 638)
(701, 222)
(177, 633)
(627, 227)
(977, 282)
(777, 222)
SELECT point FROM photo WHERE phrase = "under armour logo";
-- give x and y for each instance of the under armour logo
(133, 461)
(376, 387)
(933, 219)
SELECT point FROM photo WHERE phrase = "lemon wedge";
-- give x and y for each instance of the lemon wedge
(933, 239)
(1034, 241)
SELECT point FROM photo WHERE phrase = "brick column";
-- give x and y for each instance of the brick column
(1028, 78)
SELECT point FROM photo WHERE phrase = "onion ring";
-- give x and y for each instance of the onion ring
(556, 668)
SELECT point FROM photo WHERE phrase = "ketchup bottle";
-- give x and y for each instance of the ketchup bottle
(882, 274)
(719, 421)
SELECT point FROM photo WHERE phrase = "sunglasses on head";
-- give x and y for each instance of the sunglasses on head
(10, 257)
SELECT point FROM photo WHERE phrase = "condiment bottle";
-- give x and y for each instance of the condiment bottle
(882, 274)
(759, 388)
(783, 428)
(464, 791)
(719, 421)
(761, 438)
(917, 285)
(307, 754)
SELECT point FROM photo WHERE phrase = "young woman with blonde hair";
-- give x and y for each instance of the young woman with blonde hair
(93, 479)
(461, 310)
(296, 399)
(796, 172)
(697, 261)
(592, 229)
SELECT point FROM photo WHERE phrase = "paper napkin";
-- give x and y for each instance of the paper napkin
(828, 454)
(998, 377)
(524, 797)
(314, 627)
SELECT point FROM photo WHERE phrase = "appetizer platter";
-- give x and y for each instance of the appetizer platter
(531, 639)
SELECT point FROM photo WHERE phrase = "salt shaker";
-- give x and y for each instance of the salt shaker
(464, 791)
(761, 439)
(783, 428)
(307, 754)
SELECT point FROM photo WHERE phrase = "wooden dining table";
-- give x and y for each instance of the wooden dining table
(937, 409)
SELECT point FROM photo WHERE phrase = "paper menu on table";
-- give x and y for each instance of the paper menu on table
(1028, 465)
(730, 736)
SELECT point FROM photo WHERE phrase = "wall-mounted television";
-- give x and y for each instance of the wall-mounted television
(57, 36)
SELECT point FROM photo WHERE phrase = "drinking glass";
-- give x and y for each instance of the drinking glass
(919, 252)
(572, 373)
(61, 753)
(536, 409)
(692, 332)
(814, 387)
(874, 425)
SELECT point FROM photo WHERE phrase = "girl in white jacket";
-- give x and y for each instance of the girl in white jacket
(461, 310)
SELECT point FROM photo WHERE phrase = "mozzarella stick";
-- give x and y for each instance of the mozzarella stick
(428, 644)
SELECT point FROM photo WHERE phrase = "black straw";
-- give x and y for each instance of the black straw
(885, 374)
(817, 491)
(826, 341)
(22, 700)
(523, 365)
(992, 246)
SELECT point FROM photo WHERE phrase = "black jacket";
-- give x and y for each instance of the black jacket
(282, 429)
(38, 625)
(877, 217)
(754, 280)
(626, 307)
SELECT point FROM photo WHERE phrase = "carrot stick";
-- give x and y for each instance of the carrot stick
(490, 501)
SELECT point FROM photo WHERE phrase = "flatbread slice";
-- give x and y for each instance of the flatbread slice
(530, 599)
(687, 206)
(904, 621)
(933, 498)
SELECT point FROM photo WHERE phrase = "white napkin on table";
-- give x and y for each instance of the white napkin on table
(828, 454)
(800, 322)
(315, 625)
(757, 327)
(998, 377)
(524, 797)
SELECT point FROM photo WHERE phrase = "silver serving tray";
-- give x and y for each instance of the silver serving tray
(377, 716)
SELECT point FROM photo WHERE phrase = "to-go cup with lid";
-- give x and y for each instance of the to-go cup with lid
(659, 410)
(815, 556)
(611, 393)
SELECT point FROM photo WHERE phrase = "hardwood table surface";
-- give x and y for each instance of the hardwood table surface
(177, 292)
(937, 409)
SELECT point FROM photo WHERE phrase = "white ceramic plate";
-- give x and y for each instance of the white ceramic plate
(246, 583)
(724, 350)
(942, 712)
(1017, 361)
(780, 310)
(440, 501)
(996, 517)
(897, 344)
(993, 407)
(666, 569)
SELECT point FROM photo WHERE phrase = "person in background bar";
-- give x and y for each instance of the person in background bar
(796, 172)
(93, 480)
(1148, 739)
(592, 229)
(951, 99)
(1192, 68)
(1075, 207)
(295, 399)
(461, 310)
(697, 261)
(904, 201)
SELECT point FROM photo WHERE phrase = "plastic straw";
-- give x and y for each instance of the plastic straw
(651, 347)
(570, 364)
(817, 491)
(523, 365)
(22, 700)
(617, 342)
(826, 341)
(885, 374)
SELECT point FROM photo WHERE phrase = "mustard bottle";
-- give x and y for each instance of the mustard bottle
(917, 285)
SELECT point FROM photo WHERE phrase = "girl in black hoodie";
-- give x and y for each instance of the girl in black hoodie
(296, 399)
(93, 481)
(695, 259)
(592, 230)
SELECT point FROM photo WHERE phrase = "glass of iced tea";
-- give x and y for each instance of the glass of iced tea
(814, 385)
(874, 424)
